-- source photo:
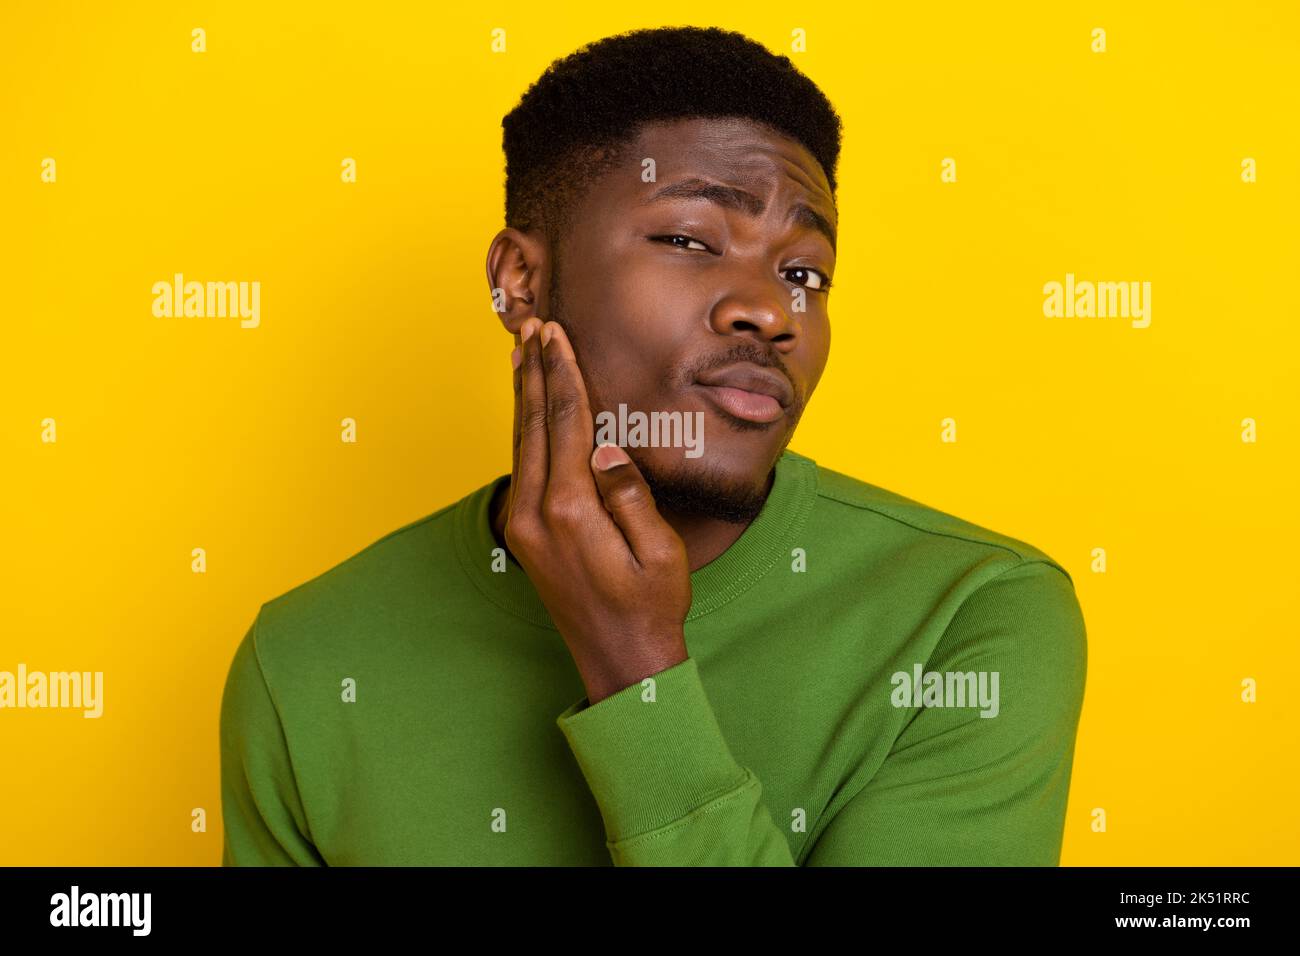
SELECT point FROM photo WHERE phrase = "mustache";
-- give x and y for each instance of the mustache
(684, 374)
(742, 351)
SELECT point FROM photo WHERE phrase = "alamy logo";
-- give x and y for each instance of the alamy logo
(102, 909)
(946, 689)
(656, 430)
(1102, 300)
(84, 689)
(208, 300)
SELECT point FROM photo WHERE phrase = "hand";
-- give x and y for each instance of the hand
(611, 571)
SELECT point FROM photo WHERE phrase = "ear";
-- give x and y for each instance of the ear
(518, 273)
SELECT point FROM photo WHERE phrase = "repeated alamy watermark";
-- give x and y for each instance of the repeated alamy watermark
(82, 690)
(652, 430)
(1085, 299)
(946, 689)
(208, 300)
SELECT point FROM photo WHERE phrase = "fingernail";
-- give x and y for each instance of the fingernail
(609, 456)
(547, 329)
(514, 358)
(527, 329)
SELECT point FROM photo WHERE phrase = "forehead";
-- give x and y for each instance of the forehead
(731, 150)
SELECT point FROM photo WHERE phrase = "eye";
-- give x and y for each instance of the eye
(686, 244)
(821, 282)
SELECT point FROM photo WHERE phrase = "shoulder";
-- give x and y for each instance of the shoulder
(362, 572)
(847, 498)
(872, 526)
(372, 593)
(973, 580)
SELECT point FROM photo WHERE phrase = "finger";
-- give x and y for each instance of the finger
(533, 451)
(569, 424)
(516, 359)
(628, 499)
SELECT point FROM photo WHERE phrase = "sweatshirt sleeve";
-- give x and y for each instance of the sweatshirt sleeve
(668, 787)
(262, 813)
(961, 789)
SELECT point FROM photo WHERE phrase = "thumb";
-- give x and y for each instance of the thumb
(628, 499)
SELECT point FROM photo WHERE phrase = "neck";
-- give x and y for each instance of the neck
(705, 538)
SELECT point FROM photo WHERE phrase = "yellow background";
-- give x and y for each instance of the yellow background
(1072, 433)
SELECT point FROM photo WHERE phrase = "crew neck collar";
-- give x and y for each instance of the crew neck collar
(768, 539)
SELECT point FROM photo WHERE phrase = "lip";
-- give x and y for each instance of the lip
(749, 392)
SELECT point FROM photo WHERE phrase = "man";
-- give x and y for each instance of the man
(635, 655)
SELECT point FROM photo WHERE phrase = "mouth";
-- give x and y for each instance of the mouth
(748, 392)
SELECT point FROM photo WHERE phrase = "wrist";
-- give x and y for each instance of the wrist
(629, 665)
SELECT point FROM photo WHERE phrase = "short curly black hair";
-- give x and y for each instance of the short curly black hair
(578, 119)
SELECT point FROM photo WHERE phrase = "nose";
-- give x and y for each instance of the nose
(756, 311)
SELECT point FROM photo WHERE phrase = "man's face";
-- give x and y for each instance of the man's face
(713, 320)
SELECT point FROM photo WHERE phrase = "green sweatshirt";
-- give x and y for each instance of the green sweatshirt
(870, 682)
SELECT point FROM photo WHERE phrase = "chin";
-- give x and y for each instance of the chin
(720, 485)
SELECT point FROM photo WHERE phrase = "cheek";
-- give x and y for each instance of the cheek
(636, 323)
(808, 362)
(821, 350)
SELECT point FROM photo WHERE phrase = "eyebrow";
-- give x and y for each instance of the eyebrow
(733, 197)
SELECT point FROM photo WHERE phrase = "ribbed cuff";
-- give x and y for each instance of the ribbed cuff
(650, 762)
